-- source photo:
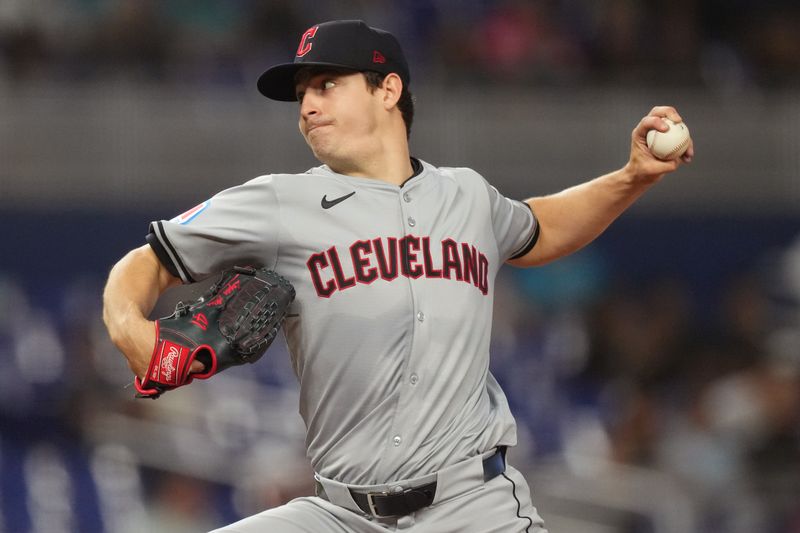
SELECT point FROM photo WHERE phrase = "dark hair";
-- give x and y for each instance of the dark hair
(405, 104)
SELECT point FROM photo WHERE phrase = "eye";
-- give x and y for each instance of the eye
(300, 96)
(328, 84)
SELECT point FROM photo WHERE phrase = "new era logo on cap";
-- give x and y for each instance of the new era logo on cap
(347, 44)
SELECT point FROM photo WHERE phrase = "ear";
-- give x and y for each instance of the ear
(392, 89)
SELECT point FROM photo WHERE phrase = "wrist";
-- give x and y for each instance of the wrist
(627, 174)
(631, 176)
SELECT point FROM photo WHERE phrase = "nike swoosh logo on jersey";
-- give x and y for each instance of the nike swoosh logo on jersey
(327, 204)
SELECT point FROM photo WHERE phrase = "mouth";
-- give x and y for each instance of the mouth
(315, 126)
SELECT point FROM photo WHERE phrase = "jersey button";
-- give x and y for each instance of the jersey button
(414, 379)
(397, 440)
(421, 316)
(406, 197)
(412, 222)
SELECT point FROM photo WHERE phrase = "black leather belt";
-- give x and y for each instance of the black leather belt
(384, 504)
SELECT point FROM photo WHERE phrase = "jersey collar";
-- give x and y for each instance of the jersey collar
(417, 166)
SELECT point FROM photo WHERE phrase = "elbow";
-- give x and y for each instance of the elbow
(543, 254)
(533, 259)
(546, 250)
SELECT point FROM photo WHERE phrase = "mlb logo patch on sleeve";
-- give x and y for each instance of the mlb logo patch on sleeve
(189, 215)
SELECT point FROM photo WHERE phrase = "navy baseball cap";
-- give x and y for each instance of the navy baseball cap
(347, 44)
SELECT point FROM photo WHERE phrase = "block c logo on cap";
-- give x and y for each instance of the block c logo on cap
(305, 47)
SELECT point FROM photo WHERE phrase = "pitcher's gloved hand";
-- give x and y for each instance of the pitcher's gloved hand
(232, 324)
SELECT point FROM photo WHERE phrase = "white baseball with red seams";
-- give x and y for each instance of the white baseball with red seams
(670, 144)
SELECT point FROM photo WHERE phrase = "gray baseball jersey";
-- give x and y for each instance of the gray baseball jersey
(389, 333)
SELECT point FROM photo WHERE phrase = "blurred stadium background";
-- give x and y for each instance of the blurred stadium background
(655, 375)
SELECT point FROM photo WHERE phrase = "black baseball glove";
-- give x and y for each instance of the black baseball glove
(232, 324)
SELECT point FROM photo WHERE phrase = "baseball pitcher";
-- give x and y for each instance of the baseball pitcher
(391, 262)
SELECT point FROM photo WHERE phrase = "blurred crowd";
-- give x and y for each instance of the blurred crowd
(597, 367)
(733, 44)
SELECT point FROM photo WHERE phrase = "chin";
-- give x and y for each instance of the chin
(324, 152)
(321, 154)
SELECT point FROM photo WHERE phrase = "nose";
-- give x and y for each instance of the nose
(310, 105)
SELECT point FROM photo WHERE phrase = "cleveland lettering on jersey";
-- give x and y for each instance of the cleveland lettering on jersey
(386, 258)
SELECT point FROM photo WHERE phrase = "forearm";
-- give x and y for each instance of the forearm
(574, 217)
(133, 288)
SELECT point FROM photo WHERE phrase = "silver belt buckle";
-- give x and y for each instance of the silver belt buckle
(371, 503)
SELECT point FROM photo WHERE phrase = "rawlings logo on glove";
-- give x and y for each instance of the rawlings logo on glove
(232, 324)
(168, 368)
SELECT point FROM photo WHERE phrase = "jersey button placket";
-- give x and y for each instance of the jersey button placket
(410, 220)
(401, 424)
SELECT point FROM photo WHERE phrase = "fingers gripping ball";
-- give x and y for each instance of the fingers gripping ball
(232, 324)
(669, 144)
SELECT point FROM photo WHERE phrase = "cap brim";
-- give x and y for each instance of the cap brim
(277, 82)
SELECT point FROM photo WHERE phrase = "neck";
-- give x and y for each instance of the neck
(389, 162)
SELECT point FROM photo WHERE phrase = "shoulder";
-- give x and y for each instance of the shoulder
(288, 180)
(458, 174)
(275, 179)
(465, 179)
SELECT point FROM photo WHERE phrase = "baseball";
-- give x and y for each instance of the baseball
(670, 144)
